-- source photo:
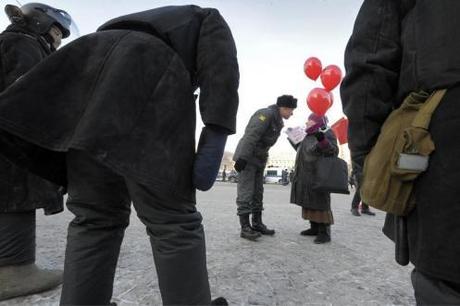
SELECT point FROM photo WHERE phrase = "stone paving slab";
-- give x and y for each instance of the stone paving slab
(356, 268)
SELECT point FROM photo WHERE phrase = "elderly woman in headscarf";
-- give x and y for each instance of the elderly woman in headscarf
(319, 142)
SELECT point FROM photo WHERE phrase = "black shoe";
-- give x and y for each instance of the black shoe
(312, 231)
(262, 228)
(249, 234)
(324, 234)
(355, 212)
(246, 231)
(259, 226)
(220, 301)
(367, 212)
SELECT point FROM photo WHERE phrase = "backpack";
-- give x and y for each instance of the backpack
(400, 154)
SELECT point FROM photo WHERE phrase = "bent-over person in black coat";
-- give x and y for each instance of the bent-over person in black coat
(115, 123)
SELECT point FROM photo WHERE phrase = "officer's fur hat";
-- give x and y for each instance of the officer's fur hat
(286, 101)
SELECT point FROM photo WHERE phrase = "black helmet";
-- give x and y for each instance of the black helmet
(41, 17)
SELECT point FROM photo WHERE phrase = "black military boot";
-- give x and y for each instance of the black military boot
(220, 301)
(324, 234)
(246, 231)
(259, 226)
(312, 231)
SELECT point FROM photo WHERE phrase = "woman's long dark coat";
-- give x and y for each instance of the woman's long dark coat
(125, 95)
(308, 153)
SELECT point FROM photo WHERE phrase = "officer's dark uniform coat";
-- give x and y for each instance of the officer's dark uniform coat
(20, 190)
(125, 95)
(398, 47)
(260, 135)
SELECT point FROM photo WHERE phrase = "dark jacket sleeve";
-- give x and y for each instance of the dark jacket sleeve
(217, 72)
(372, 62)
(18, 55)
(255, 130)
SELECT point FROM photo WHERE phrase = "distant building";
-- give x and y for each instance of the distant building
(282, 160)
(285, 160)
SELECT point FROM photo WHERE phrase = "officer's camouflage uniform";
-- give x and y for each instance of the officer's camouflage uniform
(260, 135)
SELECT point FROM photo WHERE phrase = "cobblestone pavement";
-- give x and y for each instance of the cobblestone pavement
(356, 268)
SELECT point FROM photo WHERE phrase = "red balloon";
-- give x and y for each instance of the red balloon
(319, 101)
(312, 68)
(331, 77)
(332, 97)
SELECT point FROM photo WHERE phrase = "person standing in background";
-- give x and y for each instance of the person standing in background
(356, 178)
(224, 173)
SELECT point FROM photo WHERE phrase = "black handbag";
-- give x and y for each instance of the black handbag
(331, 175)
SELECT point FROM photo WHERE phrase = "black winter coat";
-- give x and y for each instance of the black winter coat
(397, 47)
(20, 190)
(261, 133)
(308, 153)
(125, 95)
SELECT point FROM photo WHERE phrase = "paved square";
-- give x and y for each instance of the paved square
(356, 268)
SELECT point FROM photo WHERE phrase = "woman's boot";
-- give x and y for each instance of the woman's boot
(312, 231)
(324, 234)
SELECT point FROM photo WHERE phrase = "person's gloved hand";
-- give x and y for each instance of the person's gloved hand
(208, 157)
(240, 164)
(319, 136)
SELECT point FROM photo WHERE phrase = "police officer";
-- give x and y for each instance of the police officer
(122, 130)
(36, 30)
(250, 158)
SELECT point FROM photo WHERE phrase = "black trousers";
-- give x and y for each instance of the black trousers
(100, 200)
(432, 291)
(17, 238)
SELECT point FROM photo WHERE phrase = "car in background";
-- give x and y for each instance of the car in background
(232, 176)
(273, 175)
(276, 175)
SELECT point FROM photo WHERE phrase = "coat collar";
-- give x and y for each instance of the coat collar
(276, 112)
(18, 29)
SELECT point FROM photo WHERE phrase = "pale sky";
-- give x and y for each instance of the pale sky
(273, 39)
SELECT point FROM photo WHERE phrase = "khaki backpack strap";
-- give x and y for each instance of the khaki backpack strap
(423, 117)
